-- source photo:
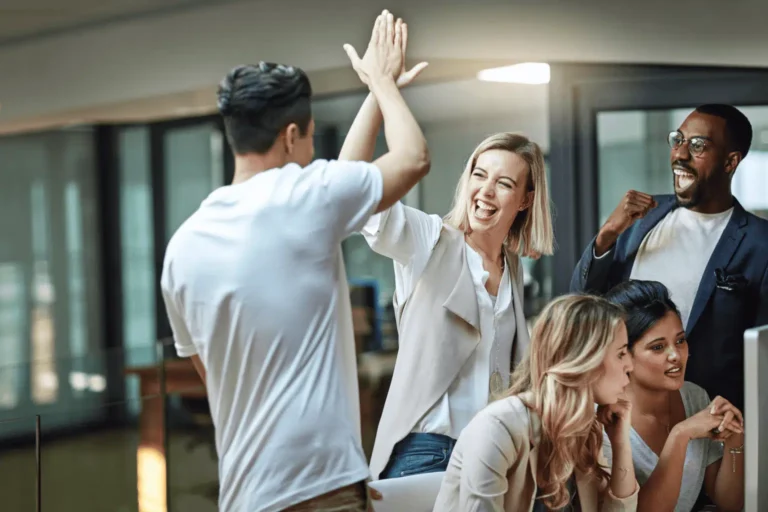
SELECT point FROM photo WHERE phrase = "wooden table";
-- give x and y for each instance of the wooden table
(181, 379)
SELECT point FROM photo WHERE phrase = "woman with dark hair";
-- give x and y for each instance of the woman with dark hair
(678, 435)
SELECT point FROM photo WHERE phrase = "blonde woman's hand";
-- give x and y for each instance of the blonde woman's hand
(404, 78)
(384, 57)
(616, 419)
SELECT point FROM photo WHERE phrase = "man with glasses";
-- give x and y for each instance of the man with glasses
(699, 242)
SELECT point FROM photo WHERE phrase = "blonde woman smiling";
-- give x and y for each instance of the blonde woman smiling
(458, 297)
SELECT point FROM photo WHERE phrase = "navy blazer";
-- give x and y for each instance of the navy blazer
(732, 295)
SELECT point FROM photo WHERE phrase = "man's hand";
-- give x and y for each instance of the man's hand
(634, 205)
(383, 60)
(406, 77)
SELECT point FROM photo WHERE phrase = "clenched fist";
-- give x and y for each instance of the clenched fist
(634, 205)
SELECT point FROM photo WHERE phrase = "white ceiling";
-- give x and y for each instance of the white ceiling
(29, 18)
(684, 31)
(170, 48)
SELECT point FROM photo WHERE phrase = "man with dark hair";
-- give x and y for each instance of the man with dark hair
(258, 102)
(256, 293)
(700, 242)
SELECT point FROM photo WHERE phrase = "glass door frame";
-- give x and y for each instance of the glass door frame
(578, 92)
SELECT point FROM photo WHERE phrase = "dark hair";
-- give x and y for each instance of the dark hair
(257, 102)
(645, 303)
(737, 126)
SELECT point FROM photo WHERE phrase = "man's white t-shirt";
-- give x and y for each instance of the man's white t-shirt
(254, 284)
(677, 251)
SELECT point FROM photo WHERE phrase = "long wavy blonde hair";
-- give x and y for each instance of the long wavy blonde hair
(531, 232)
(565, 357)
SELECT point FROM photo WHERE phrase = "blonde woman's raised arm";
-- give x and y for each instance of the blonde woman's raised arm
(360, 142)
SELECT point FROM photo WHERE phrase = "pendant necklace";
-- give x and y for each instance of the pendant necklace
(497, 385)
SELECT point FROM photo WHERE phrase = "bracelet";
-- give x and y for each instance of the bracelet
(735, 451)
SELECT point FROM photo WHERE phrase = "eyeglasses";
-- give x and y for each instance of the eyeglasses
(696, 145)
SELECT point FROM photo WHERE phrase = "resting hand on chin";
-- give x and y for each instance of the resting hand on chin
(616, 419)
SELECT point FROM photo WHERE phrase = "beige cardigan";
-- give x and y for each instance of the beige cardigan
(493, 466)
(438, 329)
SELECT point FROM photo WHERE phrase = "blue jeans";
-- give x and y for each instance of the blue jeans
(417, 454)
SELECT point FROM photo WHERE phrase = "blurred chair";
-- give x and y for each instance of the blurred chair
(366, 314)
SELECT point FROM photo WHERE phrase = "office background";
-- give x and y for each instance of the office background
(109, 140)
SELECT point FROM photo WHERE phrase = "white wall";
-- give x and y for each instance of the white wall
(194, 48)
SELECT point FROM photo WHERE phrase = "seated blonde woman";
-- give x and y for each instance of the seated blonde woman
(677, 432)
(539, 449)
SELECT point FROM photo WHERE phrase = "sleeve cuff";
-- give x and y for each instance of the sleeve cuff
(186, 350)
(372, 228)
(377, 188)
(632, 496)
(606, 253)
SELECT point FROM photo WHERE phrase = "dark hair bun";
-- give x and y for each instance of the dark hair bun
(645, 303)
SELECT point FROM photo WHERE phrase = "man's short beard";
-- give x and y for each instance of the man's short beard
(691, 202)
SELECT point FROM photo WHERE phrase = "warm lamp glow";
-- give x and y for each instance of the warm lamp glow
(524, 73)
(151, 480)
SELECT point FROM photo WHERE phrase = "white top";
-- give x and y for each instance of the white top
(254, 284)
(676, 252)
(408, 236)
(700, 453)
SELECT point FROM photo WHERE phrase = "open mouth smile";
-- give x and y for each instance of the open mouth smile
(483, 210)
(683, 178)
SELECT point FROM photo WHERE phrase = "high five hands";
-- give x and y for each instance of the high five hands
(385, 55)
